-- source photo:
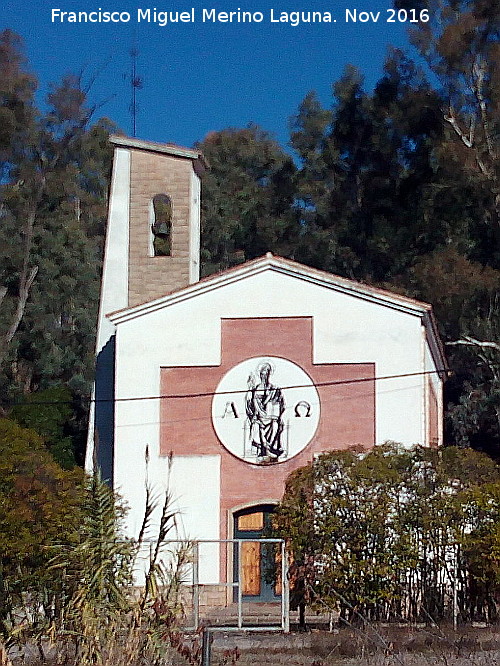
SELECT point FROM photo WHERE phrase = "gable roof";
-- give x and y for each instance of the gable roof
(269, 262)
(165, 148)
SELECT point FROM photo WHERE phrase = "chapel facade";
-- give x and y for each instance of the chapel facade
(219, 388)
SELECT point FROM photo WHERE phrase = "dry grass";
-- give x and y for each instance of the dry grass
(399, 646)
(370, 646)
(478, 659)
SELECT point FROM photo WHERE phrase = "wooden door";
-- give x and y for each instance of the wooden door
(257, 559)
(250, 568)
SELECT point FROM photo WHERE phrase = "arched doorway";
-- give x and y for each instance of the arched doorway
(259, 581)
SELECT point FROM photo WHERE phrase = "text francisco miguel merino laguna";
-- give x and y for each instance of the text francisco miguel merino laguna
(211, 15)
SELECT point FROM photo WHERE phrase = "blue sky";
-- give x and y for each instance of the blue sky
(204, 76)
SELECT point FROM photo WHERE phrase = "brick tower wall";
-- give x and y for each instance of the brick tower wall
(154, 173)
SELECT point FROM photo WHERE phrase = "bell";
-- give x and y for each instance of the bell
(161, 229)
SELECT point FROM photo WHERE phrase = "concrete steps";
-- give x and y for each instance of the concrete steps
(256, 614)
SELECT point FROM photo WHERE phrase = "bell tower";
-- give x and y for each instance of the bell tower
(152, 248)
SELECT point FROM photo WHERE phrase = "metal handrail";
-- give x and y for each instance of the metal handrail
(285, 590)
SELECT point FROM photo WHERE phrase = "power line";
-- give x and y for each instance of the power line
(326, 401)
(176, 396)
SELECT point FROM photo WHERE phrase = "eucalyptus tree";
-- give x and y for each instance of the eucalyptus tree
(55, 169)
(248, 198)
(460, 45)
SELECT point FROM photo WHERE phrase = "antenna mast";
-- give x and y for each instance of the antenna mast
(136, 84)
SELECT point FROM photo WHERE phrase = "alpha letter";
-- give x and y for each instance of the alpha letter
(230, 409)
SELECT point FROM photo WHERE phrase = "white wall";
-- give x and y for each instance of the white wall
(114, 283)
(114, 287)
(347, 329)
(194, 236)
(437, 385)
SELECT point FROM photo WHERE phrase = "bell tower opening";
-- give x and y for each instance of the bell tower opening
(161, 227)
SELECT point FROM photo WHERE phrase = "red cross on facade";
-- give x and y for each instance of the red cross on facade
(347, 407)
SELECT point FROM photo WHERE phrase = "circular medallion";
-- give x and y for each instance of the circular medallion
(265, 409)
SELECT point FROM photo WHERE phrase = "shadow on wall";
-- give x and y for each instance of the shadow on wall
(105, 410)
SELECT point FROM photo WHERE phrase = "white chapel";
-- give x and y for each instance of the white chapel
(221, 387)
